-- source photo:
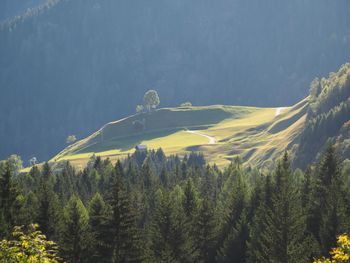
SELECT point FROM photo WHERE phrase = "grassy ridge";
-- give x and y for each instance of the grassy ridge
(257, 134)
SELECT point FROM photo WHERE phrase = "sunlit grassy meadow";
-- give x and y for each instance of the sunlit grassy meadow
(258, 135)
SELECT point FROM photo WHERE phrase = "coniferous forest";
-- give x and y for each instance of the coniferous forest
(174, 131)
(154, 208)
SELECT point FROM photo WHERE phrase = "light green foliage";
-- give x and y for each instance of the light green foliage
(186, 104)
(28, 246)
(139, 108)
(177, 130)
(71, 139)
(329, 92)
(16, 164)
(151, 100)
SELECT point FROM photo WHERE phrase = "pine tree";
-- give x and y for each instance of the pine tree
(126, 243)
(331, 200)
(161, 230)
(49, 212)
(8, 194)
(286, 222)
(169, 238)
(231, 247)
(98, 219)
(190, 201)
(257, 250)
(234, 246)
(30, 209)
(75, 233)
(205, 233)
(180, 238)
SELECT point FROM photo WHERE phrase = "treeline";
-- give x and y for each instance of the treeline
(153, 208)
(329, 110)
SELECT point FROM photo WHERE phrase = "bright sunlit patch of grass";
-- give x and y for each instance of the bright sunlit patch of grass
(256, 134)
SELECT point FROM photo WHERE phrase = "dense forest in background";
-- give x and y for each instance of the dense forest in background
(11, 8)
(68, 69)
(328, 117)
(153, 208)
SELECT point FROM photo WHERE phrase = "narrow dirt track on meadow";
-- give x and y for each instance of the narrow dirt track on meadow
(211, 139)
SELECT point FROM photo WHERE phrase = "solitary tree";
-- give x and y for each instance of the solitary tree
(139, 108)
(186, 104)
(70, 139)
(151, 100)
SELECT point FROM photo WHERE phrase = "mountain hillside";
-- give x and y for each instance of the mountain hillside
(328, 117)
(258, 135)
(74, 65)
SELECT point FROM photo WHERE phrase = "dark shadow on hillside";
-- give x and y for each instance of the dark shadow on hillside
(127, 142)
(283, 124)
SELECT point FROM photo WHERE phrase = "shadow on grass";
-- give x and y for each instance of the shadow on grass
(127, 142)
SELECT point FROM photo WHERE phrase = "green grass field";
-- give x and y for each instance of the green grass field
(258, 135)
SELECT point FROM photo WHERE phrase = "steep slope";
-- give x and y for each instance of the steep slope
(259, 135)
(328, 117)
(78, 64)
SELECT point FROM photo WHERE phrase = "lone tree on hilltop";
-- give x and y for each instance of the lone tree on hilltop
(151, 100)
(71, 139)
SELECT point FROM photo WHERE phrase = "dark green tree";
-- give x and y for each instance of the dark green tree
(75, 233)
(98, 219)
(190, 201)
(169, 238)
(286, 222)
(126, 243)
(8, 194)
(233, 237)
(205, 233)
(49, 213)
(331, 200)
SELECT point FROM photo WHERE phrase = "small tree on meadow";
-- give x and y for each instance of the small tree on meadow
(151, 100)
(139, 108)
(70, 139)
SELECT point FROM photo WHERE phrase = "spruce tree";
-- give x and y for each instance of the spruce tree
(126, 243)
(8, 194)
(257, 250)
(285, 222)
(75, 233)
(230, 246)
(169, 237)
(98, 219)
(6, 197)
(49, 212)
(235, 245)
(205, 233)
(331, 200)
(190, 201)
(161, 230)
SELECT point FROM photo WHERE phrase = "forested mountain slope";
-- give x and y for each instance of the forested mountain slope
(328, 118)
(81, 63)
